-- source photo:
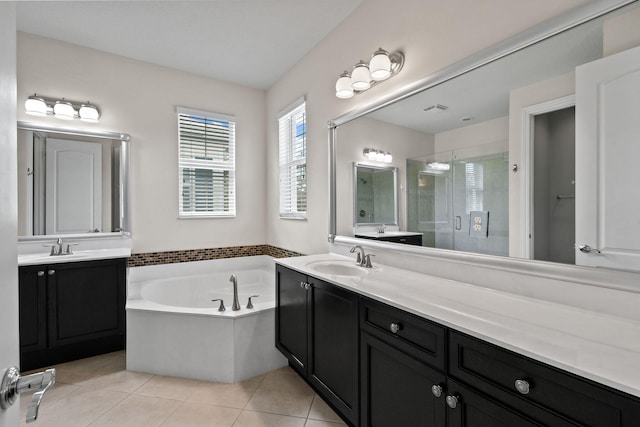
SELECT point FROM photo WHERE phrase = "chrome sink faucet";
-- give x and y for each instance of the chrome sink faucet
(362, 259)
(58, 248)
(236, 304)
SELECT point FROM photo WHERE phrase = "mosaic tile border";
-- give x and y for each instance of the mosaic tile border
(170, 257)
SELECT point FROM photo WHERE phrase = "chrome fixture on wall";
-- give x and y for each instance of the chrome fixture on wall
(377, 155)
(61, 109)
(382, 66)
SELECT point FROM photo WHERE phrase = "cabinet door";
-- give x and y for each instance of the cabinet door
(291, 317)
(333, 366)
(33, 308)
(86, 301)
(396, 388)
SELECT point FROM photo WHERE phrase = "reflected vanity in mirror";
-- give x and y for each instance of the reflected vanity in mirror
(71, 182)
(486, 149)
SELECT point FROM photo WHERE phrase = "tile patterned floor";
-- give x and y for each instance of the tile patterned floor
(100, 392)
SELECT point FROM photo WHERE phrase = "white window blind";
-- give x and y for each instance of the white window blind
(474, 177)
(206, 156)
(292, 128)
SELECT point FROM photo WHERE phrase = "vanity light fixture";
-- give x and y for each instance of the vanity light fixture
(438, 166)
(382, 66)
(61, 109)
(377, 155)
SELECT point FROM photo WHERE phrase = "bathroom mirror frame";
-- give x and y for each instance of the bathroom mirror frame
(394, 170)
(586, 275)
(123, 178)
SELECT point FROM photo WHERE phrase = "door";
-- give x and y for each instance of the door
(74, 186)
(291, 317)
(607, 153)
(333, 365)
(9, 346)
(396, 389)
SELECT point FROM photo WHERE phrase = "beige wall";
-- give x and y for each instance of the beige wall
(492, 134)
(140, 99)
(621, 32)
(431, 33)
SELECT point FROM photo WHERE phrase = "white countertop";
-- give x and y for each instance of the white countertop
(601, 347)
(89, 255)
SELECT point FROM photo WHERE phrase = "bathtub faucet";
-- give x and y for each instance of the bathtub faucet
(236, 304)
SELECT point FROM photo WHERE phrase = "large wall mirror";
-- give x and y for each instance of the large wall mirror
(71, 182)
(493, 154)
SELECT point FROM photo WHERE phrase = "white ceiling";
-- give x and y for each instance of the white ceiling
(248, 42)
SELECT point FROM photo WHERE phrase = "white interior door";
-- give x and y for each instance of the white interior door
(74, 186)
(9, 344)
(607, 159)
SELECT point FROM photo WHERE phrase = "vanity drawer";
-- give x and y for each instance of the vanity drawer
(495, 371)
(415, 336)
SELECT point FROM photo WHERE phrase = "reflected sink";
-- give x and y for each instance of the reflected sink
(337, 268)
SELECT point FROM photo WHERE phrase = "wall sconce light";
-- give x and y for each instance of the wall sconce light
(382, 66)
(61, 109)
(377, 155)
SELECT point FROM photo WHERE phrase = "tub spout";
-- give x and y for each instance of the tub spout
(236, 304)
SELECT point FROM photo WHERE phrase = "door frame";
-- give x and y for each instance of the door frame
(527, 118)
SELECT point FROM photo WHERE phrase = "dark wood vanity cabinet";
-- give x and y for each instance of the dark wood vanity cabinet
(70, 311)
(410, 371)
(317, 330)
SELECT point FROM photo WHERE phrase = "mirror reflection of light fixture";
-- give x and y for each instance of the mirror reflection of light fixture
(383, 65)
(439, 166)
(61, 109)
(36, 106)
(377, 155)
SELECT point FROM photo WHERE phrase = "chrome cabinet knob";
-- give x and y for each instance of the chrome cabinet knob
(395, 327)
(452, 401)
(302, 284)
(41, 273)
(51, 272)
(523, 386)
(436, 389)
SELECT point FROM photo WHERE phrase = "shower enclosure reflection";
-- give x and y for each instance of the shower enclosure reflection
(457, 200)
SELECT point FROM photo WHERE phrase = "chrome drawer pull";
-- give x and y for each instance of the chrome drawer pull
(452, 401)
(436, 389)
(395, 327)
(523, 386)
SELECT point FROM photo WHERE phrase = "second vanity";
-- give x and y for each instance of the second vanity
(387, 347)
(71, 305)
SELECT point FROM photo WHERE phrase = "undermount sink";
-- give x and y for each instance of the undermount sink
(337, 268)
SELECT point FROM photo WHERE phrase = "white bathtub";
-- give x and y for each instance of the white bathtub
(174, 329)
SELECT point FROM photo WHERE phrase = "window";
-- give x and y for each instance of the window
(292, 130)
(474, 173)
(206, 156)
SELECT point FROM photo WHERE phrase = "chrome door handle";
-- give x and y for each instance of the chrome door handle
(588, 249)
(13, 384)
